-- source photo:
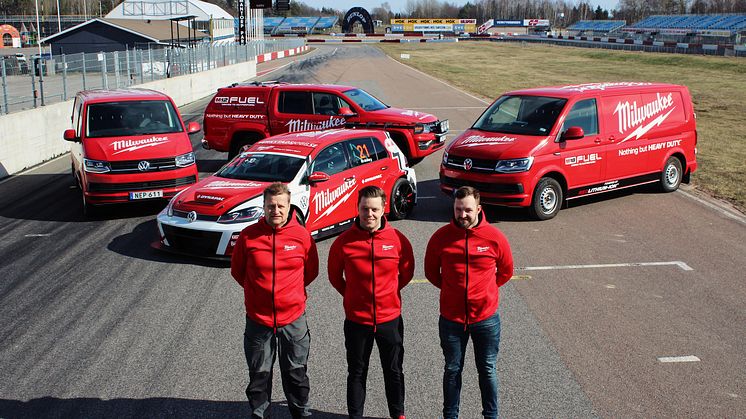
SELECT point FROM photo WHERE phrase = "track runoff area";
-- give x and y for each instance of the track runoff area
(625, 304)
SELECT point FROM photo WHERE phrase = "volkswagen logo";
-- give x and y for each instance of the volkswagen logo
(467, 164)
(143, 165)
(192, 216)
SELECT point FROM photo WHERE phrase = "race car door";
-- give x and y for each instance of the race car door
(370, 162)
(305, 111)
(332, 202)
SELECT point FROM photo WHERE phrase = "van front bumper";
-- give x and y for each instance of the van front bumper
(107, 188)
(496, 189)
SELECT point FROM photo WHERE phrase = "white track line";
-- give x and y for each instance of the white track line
(683, 266)
(668, 359)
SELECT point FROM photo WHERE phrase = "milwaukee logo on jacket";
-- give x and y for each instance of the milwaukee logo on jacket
(274, 266)
(468, 265)
(369, 270)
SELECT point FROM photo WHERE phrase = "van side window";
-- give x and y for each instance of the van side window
(295, 102)
(583, 114)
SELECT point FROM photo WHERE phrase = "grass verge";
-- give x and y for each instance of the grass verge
(717, 84)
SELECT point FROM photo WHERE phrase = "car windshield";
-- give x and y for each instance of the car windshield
(365, 100)
(262, 167)
(131, 118)
(522, 115)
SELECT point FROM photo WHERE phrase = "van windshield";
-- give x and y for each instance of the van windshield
(262, 167)
(131, 118)
(365, 100)
(522, 115)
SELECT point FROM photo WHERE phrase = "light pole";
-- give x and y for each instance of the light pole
(38, 28)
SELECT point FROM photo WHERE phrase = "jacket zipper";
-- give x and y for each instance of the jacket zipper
(274, 275)
(373, 279)
(466, 289)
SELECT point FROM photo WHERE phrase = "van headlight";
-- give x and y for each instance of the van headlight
(514, 165)
(96, 166)
(185, 159)
(242, 216)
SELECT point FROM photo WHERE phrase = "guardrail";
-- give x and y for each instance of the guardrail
(44, 81)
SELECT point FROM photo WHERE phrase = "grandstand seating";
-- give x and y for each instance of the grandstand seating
(298, 24)
(725, 22)
(597, 25)
(326, 22)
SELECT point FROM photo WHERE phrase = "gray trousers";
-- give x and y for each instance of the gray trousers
(260, 347)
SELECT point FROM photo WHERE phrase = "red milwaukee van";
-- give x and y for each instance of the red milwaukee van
(538, 147)
(129, 145)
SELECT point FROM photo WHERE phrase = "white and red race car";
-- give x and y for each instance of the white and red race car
(323, 169)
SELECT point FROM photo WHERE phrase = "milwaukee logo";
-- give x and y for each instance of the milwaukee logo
(222, 184)
(122, 146)
(387, 247)
(630, 115)
(477, 140)
(289, 247)
(303, 125)
(481, 249)
(330, 200)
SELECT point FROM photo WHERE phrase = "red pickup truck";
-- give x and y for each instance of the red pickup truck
(243, 114)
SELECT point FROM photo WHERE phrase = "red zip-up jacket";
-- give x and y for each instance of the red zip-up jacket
(369, 269)
(468, 265)
(274, 266)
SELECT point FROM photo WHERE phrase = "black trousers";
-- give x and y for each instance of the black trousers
(359, 339)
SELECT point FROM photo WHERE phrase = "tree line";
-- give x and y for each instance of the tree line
(559, 12)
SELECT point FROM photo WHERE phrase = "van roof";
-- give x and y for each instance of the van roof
(589, 89)
(112, 95)
(287, 86)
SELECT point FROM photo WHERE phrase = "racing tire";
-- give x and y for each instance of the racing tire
(546, 200)
(671, 175)
(402, 200)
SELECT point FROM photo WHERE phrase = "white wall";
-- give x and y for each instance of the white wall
(34, 136)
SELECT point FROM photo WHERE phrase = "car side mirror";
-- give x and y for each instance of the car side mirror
(317, 177)
(572, 133)
(69, 135)
(346, 112)
(193, 127)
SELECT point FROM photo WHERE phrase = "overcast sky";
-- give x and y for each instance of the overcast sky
(399, 5)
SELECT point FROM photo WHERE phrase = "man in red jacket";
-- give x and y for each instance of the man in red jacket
(274, 260)
(369, 264)
(469, 260)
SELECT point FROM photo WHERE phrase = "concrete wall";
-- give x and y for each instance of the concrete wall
(35, 136)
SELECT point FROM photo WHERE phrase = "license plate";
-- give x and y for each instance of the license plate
(146, 195)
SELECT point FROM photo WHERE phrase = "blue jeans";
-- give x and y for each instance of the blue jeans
(485, 337)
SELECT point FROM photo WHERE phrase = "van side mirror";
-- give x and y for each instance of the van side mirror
(346, 112)
(69, 135)
(572, 133)
(193, 127)
(317, 177)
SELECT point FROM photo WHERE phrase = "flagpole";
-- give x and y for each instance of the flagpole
(38, 28)
(59, 23)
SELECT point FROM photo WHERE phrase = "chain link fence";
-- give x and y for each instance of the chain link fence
(42, 81)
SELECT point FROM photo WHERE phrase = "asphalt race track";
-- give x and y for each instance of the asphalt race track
(95, 323)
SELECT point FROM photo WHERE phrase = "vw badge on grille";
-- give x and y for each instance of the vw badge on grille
(143, 165)
(467, 164)
(192, 216)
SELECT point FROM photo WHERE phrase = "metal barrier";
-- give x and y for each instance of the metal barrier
(45, 81)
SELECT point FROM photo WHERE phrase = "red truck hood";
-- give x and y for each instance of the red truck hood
(402, 116)
(140, 147)
(495, 146)
(216, 195)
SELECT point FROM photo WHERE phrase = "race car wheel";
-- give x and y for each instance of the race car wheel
(402, 199)
(671, 175)
(547, 199)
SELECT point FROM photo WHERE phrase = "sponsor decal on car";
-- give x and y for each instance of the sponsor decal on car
(222, 184)
(582, 160)
(238, 100)
(305, 125)
(649, 147)
(234, 116)
(209, 197)
(291, 143)
(415, 114)
(603, 188)
(371, 179)
(123, 146)
(603, 86)
(478, 140)
(632, 116)
(328, 200)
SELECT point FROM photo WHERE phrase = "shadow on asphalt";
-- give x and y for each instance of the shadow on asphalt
(209, 166)
(137, 245)
(158, 407)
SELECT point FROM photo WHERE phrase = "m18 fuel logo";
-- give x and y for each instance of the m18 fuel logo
(582, 160)
(238, 100)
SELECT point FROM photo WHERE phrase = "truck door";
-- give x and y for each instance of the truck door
(305, 111)
(583, 158)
